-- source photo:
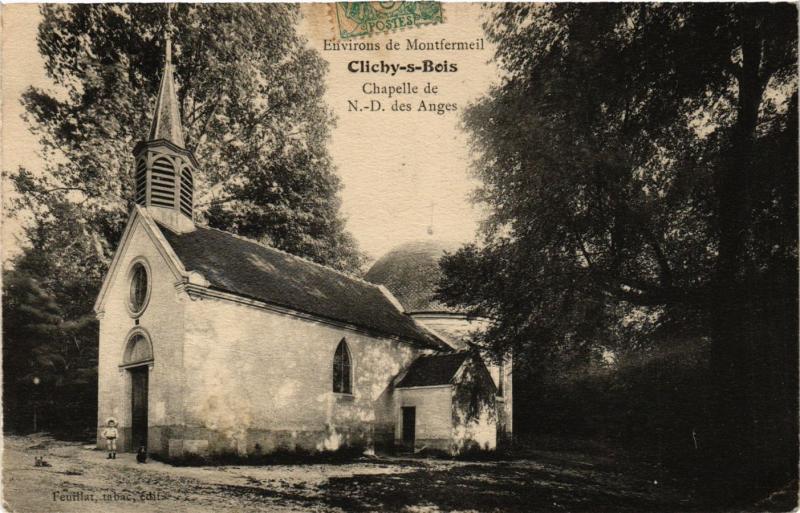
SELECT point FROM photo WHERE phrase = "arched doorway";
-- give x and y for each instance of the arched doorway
(137, 361)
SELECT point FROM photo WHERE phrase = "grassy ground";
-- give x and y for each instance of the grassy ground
(83, 480)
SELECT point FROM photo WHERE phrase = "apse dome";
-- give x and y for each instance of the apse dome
(411, 273)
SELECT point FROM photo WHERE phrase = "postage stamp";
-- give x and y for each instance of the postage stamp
(359, 19)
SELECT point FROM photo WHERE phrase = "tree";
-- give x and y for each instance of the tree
(251, 95)
(49, 361)
(640, 165)
(251, 92)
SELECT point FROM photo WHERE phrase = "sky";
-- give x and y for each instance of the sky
(401, 172)
(19, 147)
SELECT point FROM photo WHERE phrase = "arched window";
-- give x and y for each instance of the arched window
(342, 370)
(138, 350)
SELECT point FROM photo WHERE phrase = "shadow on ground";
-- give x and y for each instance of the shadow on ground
(512, 486)
(523, 485)
(542, 481)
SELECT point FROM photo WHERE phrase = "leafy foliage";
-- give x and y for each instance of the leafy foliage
(49, 360)
(640, 165)
(251, 93)
(251, 96)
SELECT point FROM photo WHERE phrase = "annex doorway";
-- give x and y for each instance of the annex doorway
(409, 427)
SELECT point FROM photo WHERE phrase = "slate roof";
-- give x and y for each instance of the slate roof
(411, 271)
(430, 370)
(252, 270)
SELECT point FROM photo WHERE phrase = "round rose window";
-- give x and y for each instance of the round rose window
(138, 295)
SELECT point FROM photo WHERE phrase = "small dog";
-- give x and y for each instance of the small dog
(141, 455)
(40, 462)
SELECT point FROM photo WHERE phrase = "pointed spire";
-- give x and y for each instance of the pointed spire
(167, 118)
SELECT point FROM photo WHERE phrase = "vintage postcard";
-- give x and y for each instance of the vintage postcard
(399, 257)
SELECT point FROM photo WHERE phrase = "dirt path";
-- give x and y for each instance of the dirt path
(83, 480)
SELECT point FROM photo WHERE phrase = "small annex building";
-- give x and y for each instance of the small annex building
(214, 344)
(411, 272)
(450, 399)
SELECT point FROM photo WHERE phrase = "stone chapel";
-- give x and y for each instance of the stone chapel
(214, 344)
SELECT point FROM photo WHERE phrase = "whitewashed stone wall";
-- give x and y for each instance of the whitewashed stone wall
(434, 420)
(163, 320)
(258, 380)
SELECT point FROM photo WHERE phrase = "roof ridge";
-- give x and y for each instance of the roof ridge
(298, 257)
(251, 269)
(443, 354)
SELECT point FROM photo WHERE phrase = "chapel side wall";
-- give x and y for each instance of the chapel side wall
(474, 410)
(163, 321)
(505, 402)
(434, 421)
(506, 405)
(259, 381)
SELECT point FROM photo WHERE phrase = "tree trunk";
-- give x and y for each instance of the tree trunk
(733, 352)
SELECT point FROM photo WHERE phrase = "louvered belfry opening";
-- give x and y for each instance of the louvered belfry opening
(162, 184)
(187, 188)
(164, 178)
(141, 182)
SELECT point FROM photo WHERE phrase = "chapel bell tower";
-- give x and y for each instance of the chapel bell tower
(164, 167)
